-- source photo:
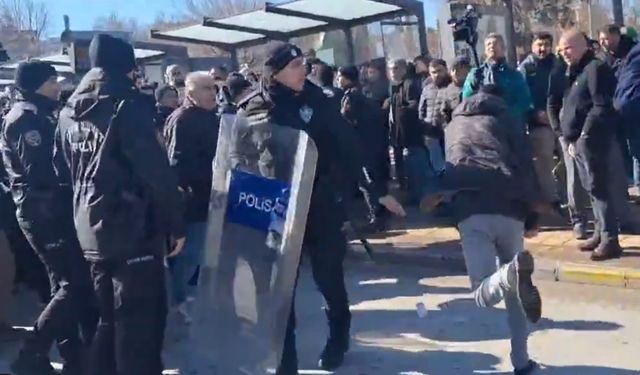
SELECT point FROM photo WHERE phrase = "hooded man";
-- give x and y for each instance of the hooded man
(126, 202)
(489, 169)
(44, 213)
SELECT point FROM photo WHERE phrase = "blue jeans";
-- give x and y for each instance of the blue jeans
(183, 266)
(418, 170)
(436, 154)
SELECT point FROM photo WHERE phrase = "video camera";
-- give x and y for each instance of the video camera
(465, 29)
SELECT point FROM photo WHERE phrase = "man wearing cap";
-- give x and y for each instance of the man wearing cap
(289, 99)
(126, 200)
(44, 213)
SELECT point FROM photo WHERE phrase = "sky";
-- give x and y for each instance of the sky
(84, 12)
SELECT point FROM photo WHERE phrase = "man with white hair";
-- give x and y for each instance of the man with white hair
(191, 136)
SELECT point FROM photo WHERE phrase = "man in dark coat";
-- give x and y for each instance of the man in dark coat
(363, 114)
(536, 69)
(167, 100)
(126, 203)
(44, 213)
(588, 126)
(191, 137)
(407, 132)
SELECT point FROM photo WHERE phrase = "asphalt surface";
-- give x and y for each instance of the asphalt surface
(585, 330)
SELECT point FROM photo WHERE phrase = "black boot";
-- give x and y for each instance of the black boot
(337, 345)
(32, 365)
(607, 250)
(590, 244)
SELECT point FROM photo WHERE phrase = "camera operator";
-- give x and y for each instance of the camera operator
(496, 71)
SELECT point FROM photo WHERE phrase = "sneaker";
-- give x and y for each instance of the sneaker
(591, 244)
(30, 365)
(528, 294)
(529, 369)
(607, 250)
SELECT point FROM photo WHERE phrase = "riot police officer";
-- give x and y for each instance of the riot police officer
(44, 215)
(290, 100)
(126, 201)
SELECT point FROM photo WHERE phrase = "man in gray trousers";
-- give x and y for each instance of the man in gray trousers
(489, 170)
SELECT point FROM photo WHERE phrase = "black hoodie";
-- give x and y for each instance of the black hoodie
(126, 197)
(489, 159)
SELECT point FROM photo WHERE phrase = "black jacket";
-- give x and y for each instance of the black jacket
(336, 141)
(191, 136)
(588, 103)
(162, 114)
(126, 197)
(406, 128)
(555, 96)
(27, 151)
(489, 160)
(537, 73)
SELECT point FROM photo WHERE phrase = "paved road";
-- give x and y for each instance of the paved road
(586, 330)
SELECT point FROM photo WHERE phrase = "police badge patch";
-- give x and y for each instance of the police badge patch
(306, 113)
(33, 138)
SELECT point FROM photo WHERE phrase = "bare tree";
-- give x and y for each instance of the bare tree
(24, 15)
(113, 22)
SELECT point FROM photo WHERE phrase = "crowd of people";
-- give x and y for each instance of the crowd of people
(104, 192)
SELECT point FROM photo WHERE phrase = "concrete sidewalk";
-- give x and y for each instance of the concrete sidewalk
(421, 240)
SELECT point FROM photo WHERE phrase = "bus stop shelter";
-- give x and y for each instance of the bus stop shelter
(298, 18)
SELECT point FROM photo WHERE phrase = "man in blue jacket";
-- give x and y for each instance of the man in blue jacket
(496, 71)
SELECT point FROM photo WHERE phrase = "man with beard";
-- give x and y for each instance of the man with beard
(588, 126)
(496, 70)
(432, 112)
(174, 77)
(167, 100)
(126, 202)
(536, 69)
(422, 69)
(44, 213)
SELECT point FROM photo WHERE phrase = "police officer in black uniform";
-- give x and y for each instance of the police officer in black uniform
(126, 200)
(44, 215)
(290, 100)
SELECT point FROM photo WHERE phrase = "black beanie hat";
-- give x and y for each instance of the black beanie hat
(114, 55)
(33, 74)
(279, 55)
(350, 72)
(237, 84)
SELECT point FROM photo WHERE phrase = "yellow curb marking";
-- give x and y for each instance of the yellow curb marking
(627, 278)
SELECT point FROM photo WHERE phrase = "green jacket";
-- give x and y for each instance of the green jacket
(511, 81)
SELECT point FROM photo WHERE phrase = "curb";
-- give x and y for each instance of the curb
(597, 275)
(545, 269)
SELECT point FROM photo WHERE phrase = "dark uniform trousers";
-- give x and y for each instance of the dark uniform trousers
(71, 310)
(326, 256)
(132, 301)
(592, 161)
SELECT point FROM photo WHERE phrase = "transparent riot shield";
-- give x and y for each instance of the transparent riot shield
(262, 182)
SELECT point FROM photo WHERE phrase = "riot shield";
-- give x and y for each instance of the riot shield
(262, 182)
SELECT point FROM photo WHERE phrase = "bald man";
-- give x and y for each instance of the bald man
(588, 126)
(191, 136)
